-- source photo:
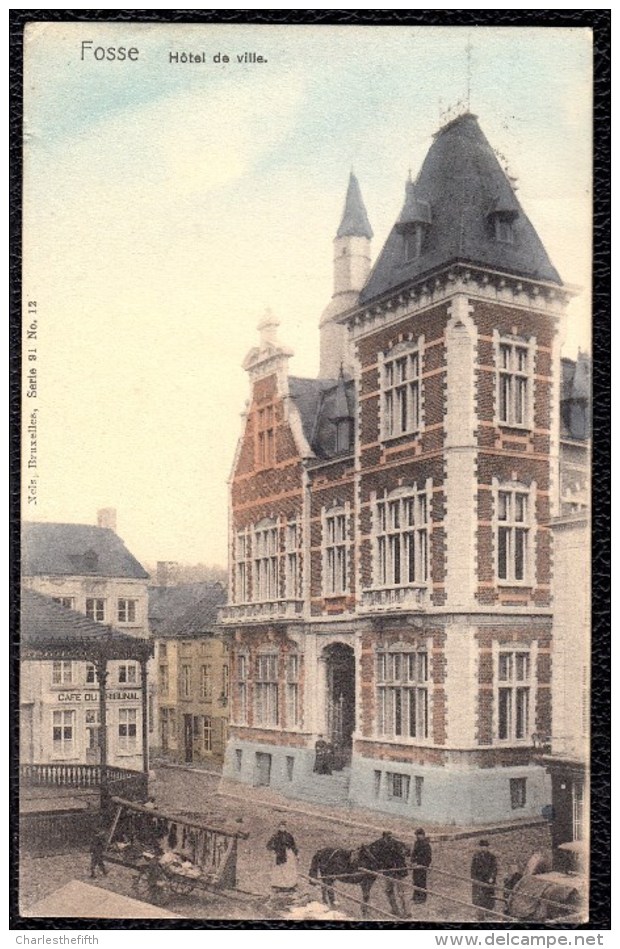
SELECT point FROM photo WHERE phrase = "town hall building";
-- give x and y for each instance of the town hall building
(390, 541)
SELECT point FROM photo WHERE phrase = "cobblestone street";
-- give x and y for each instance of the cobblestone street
(257, 813)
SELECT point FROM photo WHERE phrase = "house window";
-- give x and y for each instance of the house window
(513, 698)
(417, 790)
(398, 785)
(207, 734)
(127, 611)
(163, 651)
(413, 238)
(402, 694)
(290, 767)
(401, 531)
(225, 681)
(517, 793)
(266, 563)
(291, 562)
(344, 431)
(91, 674)
(93, 724)
(514, 383)
(377, 782)
(205, 682)
(265, 436)
(238, 759)
(242, 689)
(62, 672)
(292, 690)
(266, 690)
(66, 601)
(63, 733)
(127, 730)
(186, 681)
(243, 566)
(335, 554)
(164, 680)
(504, 229)
(512, 517)
(401, 394)
(127, 674)
(95, 609)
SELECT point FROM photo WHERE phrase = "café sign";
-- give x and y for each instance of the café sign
(110, 696)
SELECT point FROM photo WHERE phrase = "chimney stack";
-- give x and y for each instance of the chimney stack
(106, 517)
(167, 572)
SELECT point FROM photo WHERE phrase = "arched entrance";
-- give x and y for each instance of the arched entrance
(340, 704)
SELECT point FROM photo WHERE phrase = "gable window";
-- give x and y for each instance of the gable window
(243, 566)
(266, 711)
(265, 436)
(335, 552)
(127, 729)
(400, 399)
(126, 611)
(514, 383)
(401, 537)
(242, 688)
(513, 694)
(66, 601)
(291, 562)
(127, 673)
(95, 609)
(63, 733)
(62, 672)
(402, 694)
(512, 530)
(266, 562)
(292, 690)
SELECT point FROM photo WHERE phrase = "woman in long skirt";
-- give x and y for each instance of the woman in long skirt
(284, 873)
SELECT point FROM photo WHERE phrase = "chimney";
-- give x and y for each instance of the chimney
(167, 572)
(106, 517)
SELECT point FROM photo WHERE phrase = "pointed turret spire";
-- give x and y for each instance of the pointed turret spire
(354, 221)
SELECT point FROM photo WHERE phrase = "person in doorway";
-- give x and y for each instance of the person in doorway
(421, 859)
(97, 850)
(322, 756)
(284, 873)
(483, 877)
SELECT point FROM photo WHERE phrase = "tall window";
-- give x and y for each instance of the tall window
(91, 674)
(265, 436)
(164, 679)
(401, 394)
(205, 682)
(266, 690)
(335, 559)
(513, 383)
(401, 532)
(402, 694)
(93, 724)
(127, 611)
(266, 563)
(292, 690)
(243, 566)
(225, 681)
(186, 681)
(513, 697)
(127, 673)
(291, 563)
(127, 729)
(512, 518)
(95, 609)
(207, 734)
(63, 733)
(242, 688)
(62, 672)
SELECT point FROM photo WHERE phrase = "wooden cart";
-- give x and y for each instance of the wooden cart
(171, 854)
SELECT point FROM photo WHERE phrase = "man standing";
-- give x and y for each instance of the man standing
(322, 760)
(421, 859)
(392, 854)
(483, 877)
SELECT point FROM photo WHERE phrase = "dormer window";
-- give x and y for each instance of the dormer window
(344, 427)
(504, 230)
(414, 239)
(414, 221)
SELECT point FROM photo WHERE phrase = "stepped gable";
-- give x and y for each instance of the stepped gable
(460, 189)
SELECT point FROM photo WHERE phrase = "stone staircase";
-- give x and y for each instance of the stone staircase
(326, 788)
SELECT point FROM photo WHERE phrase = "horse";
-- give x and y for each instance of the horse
(361, 867)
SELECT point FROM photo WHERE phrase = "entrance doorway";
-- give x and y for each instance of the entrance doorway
(340, 663)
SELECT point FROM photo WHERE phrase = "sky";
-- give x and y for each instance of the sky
(168, 204)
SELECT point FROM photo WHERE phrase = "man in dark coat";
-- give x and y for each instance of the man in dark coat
(323, 756)
(392, 854)
(421, 859)
(483, 877)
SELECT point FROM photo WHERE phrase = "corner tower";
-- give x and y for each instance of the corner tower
(351, 269)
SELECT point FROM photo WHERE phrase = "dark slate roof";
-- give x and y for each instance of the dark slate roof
(354, 221)
(43, 621)
(320, 402)
(76, 549)
(199, 619)
(463, 185)
(169, 602)
(306, 393)
(575, 398)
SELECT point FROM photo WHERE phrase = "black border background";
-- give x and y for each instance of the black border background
(600, 23)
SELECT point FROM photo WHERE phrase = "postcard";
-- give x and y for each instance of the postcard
(306, 399)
